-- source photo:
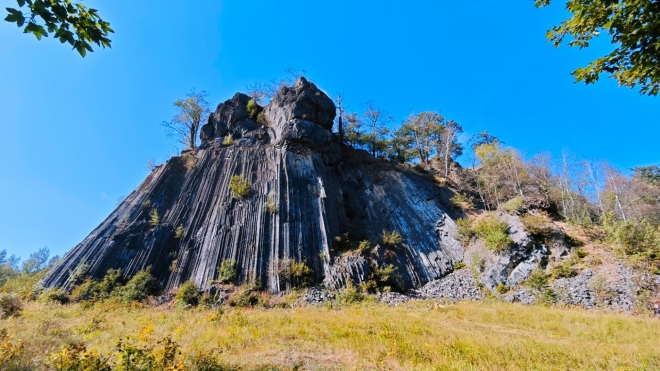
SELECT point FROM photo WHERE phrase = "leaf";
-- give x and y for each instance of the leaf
(21, 2)
(80, 48)
(15, 16)
(36, 29)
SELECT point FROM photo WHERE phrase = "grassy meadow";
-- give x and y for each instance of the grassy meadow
(367, 336)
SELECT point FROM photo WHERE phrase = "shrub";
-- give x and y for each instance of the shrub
(391, 238)
(261, 118)
(10, 305)
(386, 276)
(188, 294)
(86, 291)
(76, 357)
(639, 241)
(462, 202)
(228, 141)
(247, 296)
(253, 108)
(494, 233)
(178, 232)
(240, 188)
(537, 226)
(459, 265)
(138, 288)
(111, 281)
(563, 270)
(364, 247)
(76, 274)
(227, 271)
(537, 279)
(580, 253)
(514, 205)
(350, 294)
(53, 295)
(464, 230)
(189, 160)
(501, 289)
(154, 219)
(271, 205)
(299, 274)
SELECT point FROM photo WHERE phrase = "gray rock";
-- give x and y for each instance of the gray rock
(459, 285)
(522, 296)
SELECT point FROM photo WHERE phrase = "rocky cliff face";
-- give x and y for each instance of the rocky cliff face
(304, 192)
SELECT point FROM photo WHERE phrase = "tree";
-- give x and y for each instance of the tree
(400, 147)
(186, 123)
(340, 114)
(73, 23)
(634, 27)
(449, 146)
(425, 129)
(36, 262)
(354, 130)
(376, 120)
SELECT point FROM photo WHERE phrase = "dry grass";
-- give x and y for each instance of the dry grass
(422, 336)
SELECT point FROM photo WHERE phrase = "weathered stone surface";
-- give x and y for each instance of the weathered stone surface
(317, 197)
(459, 285)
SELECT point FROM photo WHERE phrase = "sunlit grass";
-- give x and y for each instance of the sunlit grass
(422, 336)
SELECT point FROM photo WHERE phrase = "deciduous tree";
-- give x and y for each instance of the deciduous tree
(186, 123)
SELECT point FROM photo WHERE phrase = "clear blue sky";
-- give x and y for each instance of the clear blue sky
(77, 133)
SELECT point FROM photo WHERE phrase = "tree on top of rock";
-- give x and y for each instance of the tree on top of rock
(186, 123)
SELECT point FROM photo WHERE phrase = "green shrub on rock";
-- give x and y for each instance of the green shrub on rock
(494, 233)
(188, 294)
(239, 187)
(138, 288)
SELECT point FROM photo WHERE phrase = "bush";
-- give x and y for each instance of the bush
(154, 218)
(537, 226)
(178, 232)
(228, 141)
(464, 230)
(271, 205)
(53, 295)
(501, 289)
(391, 238)
(514, 205)
(240, 188)
(580, 253)
(494, 233)
(138, 288)
(639, 241)
(386, 276)
(86, 291)
(253, 108)
(189, 160)
(188, 294)
(247, 296)
(563, 270)
(462, 202)
(227, 271)
(299, 274)
(537, 279)
(261, 118)
(364, 247)
(459, 265)
(76, 357)
(111, 281)
(10, 305)
(350, 294)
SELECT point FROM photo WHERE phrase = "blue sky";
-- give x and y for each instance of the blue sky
(77, 133)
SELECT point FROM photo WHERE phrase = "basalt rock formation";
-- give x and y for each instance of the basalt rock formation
(305, 191)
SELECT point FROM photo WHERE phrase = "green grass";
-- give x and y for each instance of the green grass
(364, 336)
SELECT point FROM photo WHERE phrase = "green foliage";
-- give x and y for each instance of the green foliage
(138, 288)
(364, 247)
(580, 253)
(462, 201)
(247, 296)
(514, 205)
(240, 188)
(53, 295)
(10, 305)
(494, 233)
(253, 108)
(73, 23)
(271, 205)
(36, 262)
(563, 270)
(227, 271)
(537, 279)
(228, 141)
(350, 294)
(391, 239)
(459, 265)
(501, 289)
(386, 276)
(464, 230)
(112, 280)
(632, 26)
(188, 294)
(639, 241)
(298, 273)
(191, 112)
(76, 357)
(178, 232)
(154, 218)
(261, 118)
(86, 291)
(537, 226)
(76, 274)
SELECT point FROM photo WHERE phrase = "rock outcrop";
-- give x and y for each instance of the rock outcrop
(303, 193)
